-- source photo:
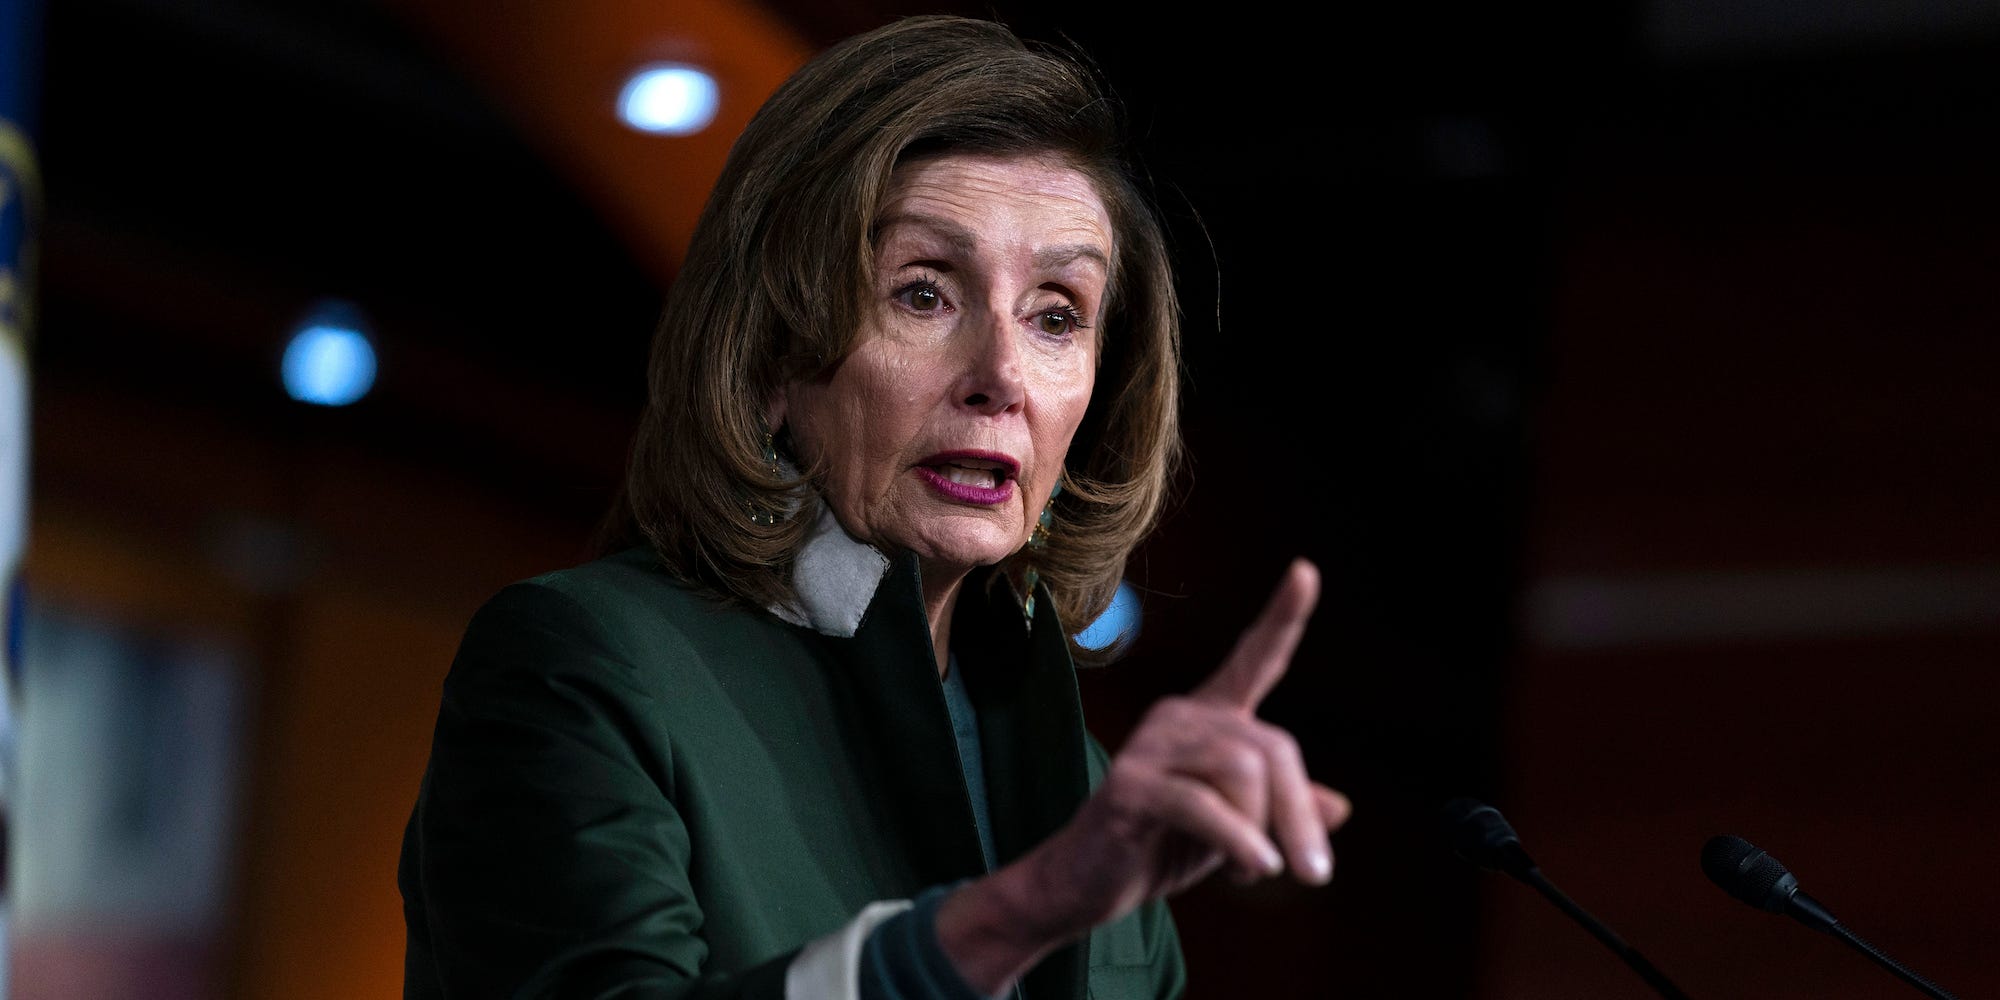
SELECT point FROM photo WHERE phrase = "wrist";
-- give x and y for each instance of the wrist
(995, 928)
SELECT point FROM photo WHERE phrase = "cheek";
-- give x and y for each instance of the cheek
(857, 422)
(1069, 398)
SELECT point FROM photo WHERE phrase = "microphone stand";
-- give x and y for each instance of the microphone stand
(1597, 928)
(1480, 835)
(1930, 989)
(1753, 876)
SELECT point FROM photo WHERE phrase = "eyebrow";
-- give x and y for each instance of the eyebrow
(964, 241)
(1066, 253)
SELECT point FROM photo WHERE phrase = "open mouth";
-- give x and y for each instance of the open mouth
(977, 477)
(982, 475)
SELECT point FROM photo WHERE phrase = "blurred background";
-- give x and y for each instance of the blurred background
(1628, 369)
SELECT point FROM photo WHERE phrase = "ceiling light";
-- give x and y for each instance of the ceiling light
(329, 361)
(669, 99)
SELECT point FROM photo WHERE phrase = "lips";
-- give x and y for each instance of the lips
(976, 477)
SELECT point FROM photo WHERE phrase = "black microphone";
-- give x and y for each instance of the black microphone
(1483, 837)
(1743, 870)
(1479, 834)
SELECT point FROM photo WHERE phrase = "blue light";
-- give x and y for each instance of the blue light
(669, 99)
(329, 361)
(1118, 625)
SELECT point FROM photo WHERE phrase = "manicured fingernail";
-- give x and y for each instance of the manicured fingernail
(1272, 860)
(1320, 864)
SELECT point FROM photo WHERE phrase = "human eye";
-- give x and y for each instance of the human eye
(1060, 320)
(922, 295)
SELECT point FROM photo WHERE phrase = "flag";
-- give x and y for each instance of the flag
(20, 214)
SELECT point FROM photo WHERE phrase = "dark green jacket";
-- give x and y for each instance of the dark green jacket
(634, 791)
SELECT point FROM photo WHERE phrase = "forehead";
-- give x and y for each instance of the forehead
(985, 198)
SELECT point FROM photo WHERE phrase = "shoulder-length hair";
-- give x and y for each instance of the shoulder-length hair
(777, 277)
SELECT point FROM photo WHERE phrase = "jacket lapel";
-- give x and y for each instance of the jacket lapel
(1031, 729)
(1023, 687)
(905, 739)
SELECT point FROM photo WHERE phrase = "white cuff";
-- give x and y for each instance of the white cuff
(830, 968)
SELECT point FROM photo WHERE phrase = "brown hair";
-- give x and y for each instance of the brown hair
(776, 279)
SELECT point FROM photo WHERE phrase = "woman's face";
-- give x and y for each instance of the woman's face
(944, 431)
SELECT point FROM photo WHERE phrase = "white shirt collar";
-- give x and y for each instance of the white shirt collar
(834, 579)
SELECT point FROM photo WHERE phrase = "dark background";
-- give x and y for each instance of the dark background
(1626, 369)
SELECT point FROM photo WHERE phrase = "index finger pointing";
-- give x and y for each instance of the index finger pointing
(1264, 650)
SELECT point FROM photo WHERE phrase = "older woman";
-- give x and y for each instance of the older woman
(912, 404)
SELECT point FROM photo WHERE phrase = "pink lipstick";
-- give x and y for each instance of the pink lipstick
(985, 478)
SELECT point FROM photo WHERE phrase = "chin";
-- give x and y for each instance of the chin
(962, 551)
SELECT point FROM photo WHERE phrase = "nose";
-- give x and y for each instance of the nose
(991, 381)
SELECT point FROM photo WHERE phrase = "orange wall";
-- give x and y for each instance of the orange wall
(344, 667)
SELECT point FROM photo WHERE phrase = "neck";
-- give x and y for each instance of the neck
(940, 600)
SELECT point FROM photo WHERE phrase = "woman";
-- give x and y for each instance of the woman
(912, 404)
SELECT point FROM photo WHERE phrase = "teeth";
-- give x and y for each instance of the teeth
(982, 478)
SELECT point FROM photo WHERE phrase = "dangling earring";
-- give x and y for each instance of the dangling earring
(759, 516)
(1038, 541)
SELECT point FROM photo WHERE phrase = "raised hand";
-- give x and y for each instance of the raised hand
(1202, 783)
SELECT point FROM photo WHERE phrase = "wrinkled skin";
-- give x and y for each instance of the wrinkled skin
(990, 277)
(1201, 784)
(977, 362)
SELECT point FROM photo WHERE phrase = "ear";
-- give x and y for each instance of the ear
(776, 407)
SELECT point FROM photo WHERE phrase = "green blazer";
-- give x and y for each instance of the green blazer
(636, 791)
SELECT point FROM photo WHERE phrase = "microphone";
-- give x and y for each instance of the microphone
(1743, 870)
(1480, 835)
(1483, 837)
